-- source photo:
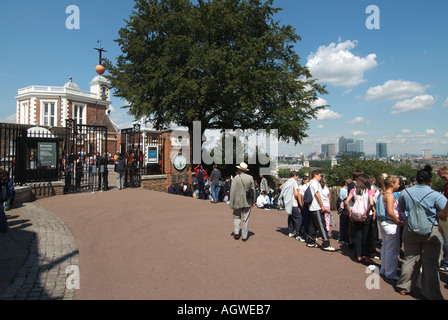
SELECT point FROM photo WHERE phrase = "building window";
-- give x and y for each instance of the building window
(49, 114)
(104, 92)
(24, 113)
(78, 114)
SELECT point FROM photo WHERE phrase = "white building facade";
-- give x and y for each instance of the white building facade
(51, 106)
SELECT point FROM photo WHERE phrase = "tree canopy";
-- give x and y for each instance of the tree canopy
(225, 63)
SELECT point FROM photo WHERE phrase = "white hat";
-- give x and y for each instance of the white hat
(243, 166)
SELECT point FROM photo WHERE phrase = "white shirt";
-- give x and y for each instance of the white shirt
(315, 187)
(325, 196)
(261, 201)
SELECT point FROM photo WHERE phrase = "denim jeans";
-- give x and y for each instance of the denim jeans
(215, 192)
(294, 221)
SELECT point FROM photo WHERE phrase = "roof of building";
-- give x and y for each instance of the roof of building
(105, 121)
(71, 85)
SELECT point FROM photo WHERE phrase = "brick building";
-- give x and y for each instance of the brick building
(51, 106)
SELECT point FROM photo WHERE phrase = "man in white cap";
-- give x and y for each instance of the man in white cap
(242, 196)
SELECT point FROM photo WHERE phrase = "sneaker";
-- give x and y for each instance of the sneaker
(312, 245)
(299, 238)
(291, 235)
(329, 248)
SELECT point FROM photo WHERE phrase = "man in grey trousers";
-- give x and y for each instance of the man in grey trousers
(120, 166)
(240, 202)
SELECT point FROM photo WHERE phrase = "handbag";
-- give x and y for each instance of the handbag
(249, 193)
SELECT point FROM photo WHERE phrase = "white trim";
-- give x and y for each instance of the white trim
(33, 111)
(17, 111)
(64, 112)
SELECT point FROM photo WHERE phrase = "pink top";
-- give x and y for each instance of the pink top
(370, 192)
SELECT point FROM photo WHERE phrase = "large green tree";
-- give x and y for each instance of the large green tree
(225, 63)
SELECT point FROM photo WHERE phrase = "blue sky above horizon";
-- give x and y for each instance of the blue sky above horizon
(387, 85)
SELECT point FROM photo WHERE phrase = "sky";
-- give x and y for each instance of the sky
(386, 84)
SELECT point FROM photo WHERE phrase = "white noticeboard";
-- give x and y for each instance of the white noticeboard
(152, 153)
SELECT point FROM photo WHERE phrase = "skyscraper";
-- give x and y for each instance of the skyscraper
(328, 150)
(344, 143)
(381, 150)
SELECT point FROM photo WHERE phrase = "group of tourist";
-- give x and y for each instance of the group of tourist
(365, 211)
(369, 215)
(206, 187)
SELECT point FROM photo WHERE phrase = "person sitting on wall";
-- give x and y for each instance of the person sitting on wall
(188, 192)
(171, 189)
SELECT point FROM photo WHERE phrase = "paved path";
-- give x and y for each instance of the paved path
(139, 244)
(37, 250)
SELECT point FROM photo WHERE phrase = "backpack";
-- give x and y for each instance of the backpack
(358, 209)
(200, 176)
(380, 209)
(308, 197)
(418, 222)
(340, 205)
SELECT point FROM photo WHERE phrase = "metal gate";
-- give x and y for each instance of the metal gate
(131, 150)
(30, 153)
(85, 158)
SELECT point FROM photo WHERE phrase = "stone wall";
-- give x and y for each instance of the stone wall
(155, 183)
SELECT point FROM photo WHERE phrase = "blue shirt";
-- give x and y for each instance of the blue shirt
(432, 203)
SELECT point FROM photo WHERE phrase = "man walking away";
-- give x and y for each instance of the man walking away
(242, 193)
(216, 183)
(120, 165)
(264, 184)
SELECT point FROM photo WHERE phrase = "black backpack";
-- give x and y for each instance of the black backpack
(200, 176)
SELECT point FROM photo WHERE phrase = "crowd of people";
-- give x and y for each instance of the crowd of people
(372, 213)
(367, 211)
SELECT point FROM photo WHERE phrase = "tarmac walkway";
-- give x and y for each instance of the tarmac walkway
(139, 244)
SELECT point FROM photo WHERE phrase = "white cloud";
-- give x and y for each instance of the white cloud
(430, 131)
(320, 126)
(418, 103)
(395, 90)
(359, 133)
(406, 131)
(327, 114)
(446, 135)
(319, 102)
(337, 65)
(356, 120)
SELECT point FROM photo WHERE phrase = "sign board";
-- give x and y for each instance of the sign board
(46, 154)
(152, 155)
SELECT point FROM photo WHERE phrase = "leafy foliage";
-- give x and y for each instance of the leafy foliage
(344, 169)
(225, 63)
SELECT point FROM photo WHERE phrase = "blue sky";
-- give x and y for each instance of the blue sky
(385, 85)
